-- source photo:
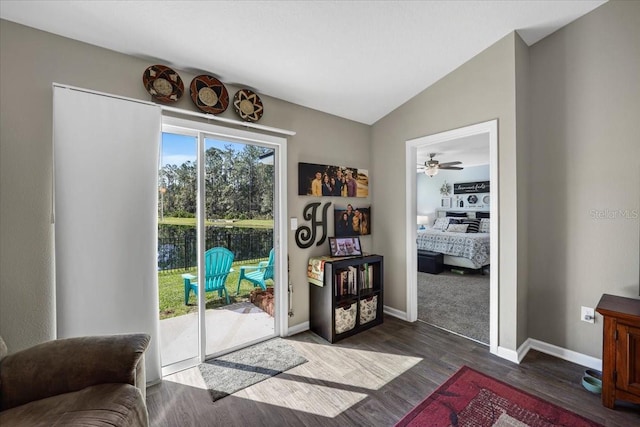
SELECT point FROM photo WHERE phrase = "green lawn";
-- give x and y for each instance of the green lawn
(242, 223)
(171, 290)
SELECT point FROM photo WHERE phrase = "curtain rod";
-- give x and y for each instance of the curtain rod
(183, 112)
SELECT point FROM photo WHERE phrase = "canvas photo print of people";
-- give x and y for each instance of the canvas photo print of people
(352, 221)
(338, 181)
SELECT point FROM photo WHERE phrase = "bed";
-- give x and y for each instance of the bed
(469, 250)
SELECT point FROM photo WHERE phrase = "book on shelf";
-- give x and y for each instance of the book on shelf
(351, 280)
(366, 276)
(345, 282)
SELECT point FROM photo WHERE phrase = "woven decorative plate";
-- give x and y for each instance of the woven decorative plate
(248, 105)
(209, 94)
(163, 83)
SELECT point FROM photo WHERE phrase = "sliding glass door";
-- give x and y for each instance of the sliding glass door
(218, 252)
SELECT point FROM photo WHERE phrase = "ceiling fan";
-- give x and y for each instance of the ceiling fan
(431, 167)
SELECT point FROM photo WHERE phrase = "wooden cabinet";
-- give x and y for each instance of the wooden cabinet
(621, 349)
(350, 299)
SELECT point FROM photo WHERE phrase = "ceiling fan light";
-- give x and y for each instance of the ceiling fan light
(431, 171)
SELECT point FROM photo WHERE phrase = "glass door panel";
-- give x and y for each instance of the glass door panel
(177, 250)
(239, 216)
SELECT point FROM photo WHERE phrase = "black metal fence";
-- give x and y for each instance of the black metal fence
(177, 245)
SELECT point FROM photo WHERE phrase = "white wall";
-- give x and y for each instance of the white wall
(428, 188)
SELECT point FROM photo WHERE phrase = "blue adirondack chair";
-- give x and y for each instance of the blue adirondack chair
(217, 264)
(257, 274)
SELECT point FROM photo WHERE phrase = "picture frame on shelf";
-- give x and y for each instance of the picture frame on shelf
(445, 202)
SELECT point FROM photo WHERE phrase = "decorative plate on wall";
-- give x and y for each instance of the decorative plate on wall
(485, 200)
(163, 83)
(473, 199)
(209, 94)
(248, 105)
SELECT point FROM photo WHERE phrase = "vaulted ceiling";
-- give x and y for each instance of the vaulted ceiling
(355, 59)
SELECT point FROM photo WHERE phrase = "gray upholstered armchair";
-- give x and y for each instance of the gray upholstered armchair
(75, 381)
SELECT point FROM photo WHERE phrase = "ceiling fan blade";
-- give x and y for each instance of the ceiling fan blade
(457, 168)
(450, 164)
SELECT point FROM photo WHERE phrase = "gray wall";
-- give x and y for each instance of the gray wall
(480, 90)
(30, 61)
(569, 157)
(522, 158)
(585, 162)
(569, 144)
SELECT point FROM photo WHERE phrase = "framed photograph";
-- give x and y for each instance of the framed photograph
(337, 181)
(344, 246)
(445, 202)
(352, 221)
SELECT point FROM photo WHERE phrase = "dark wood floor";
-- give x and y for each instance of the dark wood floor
(372, 379)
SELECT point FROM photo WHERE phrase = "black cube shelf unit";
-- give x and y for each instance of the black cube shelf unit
(350, 300)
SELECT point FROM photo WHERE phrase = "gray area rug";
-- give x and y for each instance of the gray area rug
(227, 374)
(457, 303)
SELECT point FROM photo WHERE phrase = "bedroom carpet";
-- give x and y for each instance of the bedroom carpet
(457, 303)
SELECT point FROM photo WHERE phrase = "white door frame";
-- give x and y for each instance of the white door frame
(412, 145)
(281, 271)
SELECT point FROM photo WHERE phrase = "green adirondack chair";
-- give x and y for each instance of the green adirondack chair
(257, 274)
(217, 267)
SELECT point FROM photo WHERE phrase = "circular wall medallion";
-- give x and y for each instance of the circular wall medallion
(485, 200)
(209, 94)
(163, 83)
(248, 105)
(472, 199)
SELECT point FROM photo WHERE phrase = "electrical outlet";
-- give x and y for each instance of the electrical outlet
(294, 223)
(587, 314)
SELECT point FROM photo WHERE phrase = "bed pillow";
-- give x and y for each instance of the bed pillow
(458, 228)
(484, 225)
(474, 225)
(457, 214)
(441, 223)
(482, 214)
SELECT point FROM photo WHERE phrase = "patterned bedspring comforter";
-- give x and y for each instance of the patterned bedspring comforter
(473, 246)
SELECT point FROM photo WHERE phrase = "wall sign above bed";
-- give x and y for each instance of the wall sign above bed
(471, 187)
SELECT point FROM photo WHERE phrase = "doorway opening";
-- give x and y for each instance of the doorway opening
(445, 207)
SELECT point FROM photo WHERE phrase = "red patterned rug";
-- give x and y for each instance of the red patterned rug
(470, 398)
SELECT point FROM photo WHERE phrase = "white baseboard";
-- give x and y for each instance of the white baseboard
(510, 355)
(402, 315)
(563, 353)
(524, 349)
(296, 329)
